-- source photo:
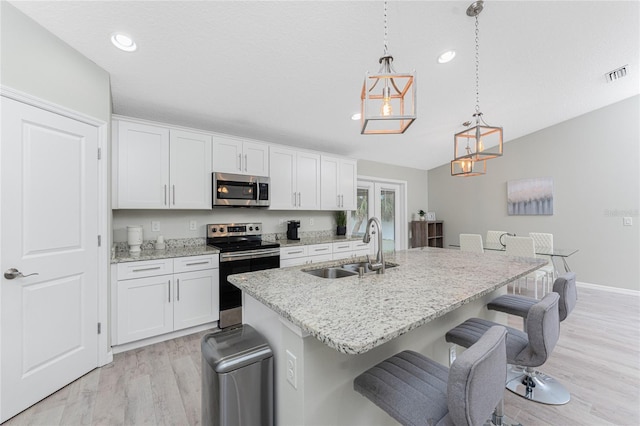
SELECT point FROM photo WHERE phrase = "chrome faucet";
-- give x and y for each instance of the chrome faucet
(379, 263)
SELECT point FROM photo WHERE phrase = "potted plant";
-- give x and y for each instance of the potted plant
(341, 222)
(422, 214)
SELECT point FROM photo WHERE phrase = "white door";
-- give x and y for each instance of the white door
(49, 227)
(383, 200)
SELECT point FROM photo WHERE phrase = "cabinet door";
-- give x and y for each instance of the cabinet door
(347, 175)
(144, 308)
(329, 196)
(190, 170)
(282, 166)
(308, 181)
(195, 298)
(255, 159)
(227, 155)
(142, 166)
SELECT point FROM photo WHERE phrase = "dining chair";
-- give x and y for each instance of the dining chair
(525, 247)
(493, 237)
(544, 242)
(471, 242)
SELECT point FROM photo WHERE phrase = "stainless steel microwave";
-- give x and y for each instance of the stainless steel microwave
(240, 190)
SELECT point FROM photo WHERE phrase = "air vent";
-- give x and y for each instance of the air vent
(616, 74)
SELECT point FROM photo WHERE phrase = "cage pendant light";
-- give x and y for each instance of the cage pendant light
(388, 98)
(479, 142)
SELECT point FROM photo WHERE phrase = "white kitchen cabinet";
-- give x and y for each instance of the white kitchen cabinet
(347, 249)
(295, 179)
(232, 155)
(338, 187)
(155, 297)
(158, 167)
(303, 255)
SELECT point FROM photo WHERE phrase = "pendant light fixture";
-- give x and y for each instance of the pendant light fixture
(388, 98)
(476, 144)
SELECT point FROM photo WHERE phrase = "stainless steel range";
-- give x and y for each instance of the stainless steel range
(241, 250)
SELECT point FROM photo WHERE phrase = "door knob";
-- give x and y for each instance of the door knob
(12, 273)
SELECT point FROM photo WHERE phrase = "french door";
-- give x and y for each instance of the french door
(386, 201)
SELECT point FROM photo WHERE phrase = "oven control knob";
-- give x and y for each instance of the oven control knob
(257, 228)
(251, 228)
(214, 230)
(221, 229)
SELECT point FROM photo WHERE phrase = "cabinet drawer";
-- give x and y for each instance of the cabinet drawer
(343, 246)
(144, 268)
(360, 246)
(195, 263)
(319, 249)
(293, 252)
(320, 258)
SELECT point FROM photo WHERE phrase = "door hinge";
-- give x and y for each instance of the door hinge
(99, 153)
(99, 240)
(99, 328)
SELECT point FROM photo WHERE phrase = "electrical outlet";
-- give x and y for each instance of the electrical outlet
(311, 221)
(292, 373)
(281, 222)
(452, 355)
(193, 225)
(627, 221)
(155, 226)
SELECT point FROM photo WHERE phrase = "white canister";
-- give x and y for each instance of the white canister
(134, 238)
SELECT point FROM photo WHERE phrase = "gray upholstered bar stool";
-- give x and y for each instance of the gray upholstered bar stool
(530, 349)
(547, 389)
(416, 390)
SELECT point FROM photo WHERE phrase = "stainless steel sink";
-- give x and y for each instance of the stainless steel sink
(331, 273)
(356, 266)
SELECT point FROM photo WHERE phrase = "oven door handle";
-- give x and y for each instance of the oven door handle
(251, 254)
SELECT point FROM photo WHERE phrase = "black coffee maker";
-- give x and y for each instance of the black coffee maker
(292, 229)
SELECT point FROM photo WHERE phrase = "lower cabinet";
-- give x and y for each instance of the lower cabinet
(160, 299)
(302, 255)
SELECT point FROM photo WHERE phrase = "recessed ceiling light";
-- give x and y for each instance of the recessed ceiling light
(446, 56)
(356, 116)
(123, 42)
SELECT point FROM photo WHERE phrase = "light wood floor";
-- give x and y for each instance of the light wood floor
(597, 359)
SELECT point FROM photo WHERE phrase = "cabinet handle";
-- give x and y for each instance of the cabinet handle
(245, 162)
(342, 247)
(342, 201)
(294, 199)
(295, 252)
(165, 195)
(240, 162)
(178, 299)
(299, 200)
(174, 195)
(197, 263)
(321, 249)
(169, 288)
(146, 269)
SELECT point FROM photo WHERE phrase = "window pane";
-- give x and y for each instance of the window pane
(388, 213)
(359, 217)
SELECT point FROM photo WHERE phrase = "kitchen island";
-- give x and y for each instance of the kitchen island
(324, 332)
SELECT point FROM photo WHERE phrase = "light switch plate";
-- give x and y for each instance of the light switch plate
(155, 226)
(627, 221)
(193, 225)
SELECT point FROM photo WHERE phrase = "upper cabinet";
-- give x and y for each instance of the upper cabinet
(231, 155)
(295, 179)
(339, 177)
(158, 167)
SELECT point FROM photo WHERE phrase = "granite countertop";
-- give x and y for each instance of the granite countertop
(353, 315)
(169, 252)
(320, 239)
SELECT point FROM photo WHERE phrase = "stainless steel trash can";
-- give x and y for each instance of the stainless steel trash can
(237, 378)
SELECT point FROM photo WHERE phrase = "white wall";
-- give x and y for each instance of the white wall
(175, 223)
(36, 62)
(594, 160)
(416, 182)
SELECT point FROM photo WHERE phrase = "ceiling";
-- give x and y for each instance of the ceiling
(291, 72)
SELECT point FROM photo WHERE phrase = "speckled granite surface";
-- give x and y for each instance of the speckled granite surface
(309, 239)
(354, 315)
(180, 247)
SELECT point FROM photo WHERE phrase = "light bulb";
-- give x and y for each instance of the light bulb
(386, 109)
(480, 145)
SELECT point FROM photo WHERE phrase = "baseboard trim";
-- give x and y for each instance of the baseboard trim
(163, 337)
(618, 290)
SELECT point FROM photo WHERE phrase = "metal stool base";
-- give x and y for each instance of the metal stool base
(541, 388)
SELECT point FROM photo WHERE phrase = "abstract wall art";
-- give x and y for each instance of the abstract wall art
(530, 196)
